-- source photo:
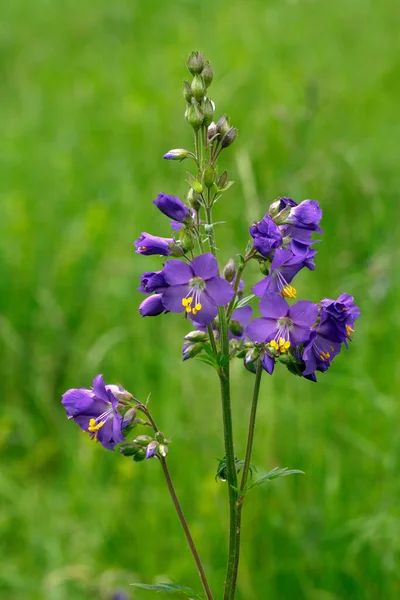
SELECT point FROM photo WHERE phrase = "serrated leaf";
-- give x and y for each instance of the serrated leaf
(276, 472)
(170, 588)
(245, 301)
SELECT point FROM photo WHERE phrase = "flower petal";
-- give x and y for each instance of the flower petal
(268, 363)
(177, 272)
(109, 435)
(242, 315)
(219, 290)
(208, 311)
(76, 401)
(172, 297)
(273, 306)
(261, 330)
(99, 389)
(303, 313)
(205, 266)
(299, 335)
(261, 287)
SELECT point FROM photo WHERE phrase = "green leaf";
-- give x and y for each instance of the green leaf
(245, 301)
(276, 472)
(170, 588)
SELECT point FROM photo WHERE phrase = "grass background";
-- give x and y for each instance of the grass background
(90, 100)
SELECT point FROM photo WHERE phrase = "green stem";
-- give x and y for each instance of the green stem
(185, 527)
(245, 472)
(233, 550)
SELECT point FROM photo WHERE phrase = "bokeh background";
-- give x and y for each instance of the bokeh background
(90, 101)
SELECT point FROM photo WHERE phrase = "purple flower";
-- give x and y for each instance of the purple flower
(153, 244)
(305, 215)
(282, 326)
(172, 207)
(152, 281)
(196, 288)
(177, 154)
(341, 314)
(285, 265)
(152, 306)
(266, 235)
(95, 411)
(322, 348)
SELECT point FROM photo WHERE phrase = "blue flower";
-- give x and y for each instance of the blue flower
(172, 207)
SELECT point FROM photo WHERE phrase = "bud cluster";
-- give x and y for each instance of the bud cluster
(199, 108)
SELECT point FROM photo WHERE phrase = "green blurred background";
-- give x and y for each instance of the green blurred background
(90, 101)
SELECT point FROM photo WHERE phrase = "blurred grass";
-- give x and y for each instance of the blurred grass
(90, 101)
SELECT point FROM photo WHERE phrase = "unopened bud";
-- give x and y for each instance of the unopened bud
(229, 137)
(140, 455)
(208, 176)
(236, 328)
(163, 450)
(264, 267)
(195, 116)
(198, 88)
(252, 355)
(229, 272)
(177, 154)
(187, 91)
(281, 217)
(208, 74)
(194, 199)
(250, 366)
(143, 440)
(223, 125)
(208, 111)
(186, 239)
(160, 437)
(151, 449)
(211, 131)
(129, 449)
(191, 350)
(196, 336)
(195, 62)
(119, 392)
(129, 417)
(274, 208)
(222, 180)
(196, 185)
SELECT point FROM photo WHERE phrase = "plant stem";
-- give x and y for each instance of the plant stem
(245, 472)
(184, 524)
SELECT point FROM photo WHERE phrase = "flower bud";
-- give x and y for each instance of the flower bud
(151, 449)
(282, 216)
(160, 437)
(208, 74)
(196, 185)
(196, 336)
(223, 125)
(195, 62)
(140, 455)
(152, 306)
(194, 199)
(252, 355)
(143, 440)
(129, 417)
(177, 154)
(129, 449)
(187, 91)
(191, 350)
(198, 88)
(250, 366)
(186, 240)
(222, 180)
(163, 450)
(274, 208)
(208, 111)
(264, 266)
(176, 250)
(195, 116)
(236, 328)
(229, 272)
(208, 176)
(229, 137)
(211, 131)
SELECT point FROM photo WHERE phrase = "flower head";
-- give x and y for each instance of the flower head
(282, 326)
(266, 235)
(321, 349)
(195, 289)
(153, 244)
(172, 207)
(305, 215)
(95, 411)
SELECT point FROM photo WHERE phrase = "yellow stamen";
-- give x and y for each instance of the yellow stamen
(289, 292)
(188, 309)
(93, 427)
(194, 311)
(198, 306)
(349, 330)
(324, 355)
(142, 248)
(331, 348)
(274, 345)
